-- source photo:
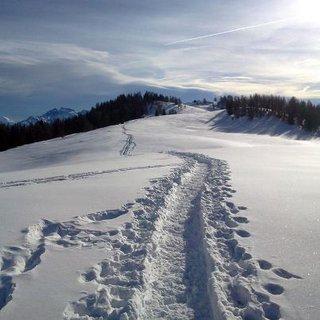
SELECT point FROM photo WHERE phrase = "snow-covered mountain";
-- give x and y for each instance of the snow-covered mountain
(59, 114)
(5, 120)
(51, 116)
(30, 120)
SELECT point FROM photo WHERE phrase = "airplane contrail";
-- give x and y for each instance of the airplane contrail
(226, 32)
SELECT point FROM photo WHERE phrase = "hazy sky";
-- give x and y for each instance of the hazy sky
(77, 52)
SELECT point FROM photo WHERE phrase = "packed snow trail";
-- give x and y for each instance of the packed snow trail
(176, 264)
(129, 144)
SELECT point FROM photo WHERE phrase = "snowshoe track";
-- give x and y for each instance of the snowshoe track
(79, 232)
(179, 258)
(129, 144)
(73, 176)
(176, 264)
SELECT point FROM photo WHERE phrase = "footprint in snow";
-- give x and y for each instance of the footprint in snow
(231, 223)
(262, 297)
(243, 233)
(241, 219)
(285, 274)
(271, 311)
(273, 288)
(232, 207)
(229, 189)
(264, 264)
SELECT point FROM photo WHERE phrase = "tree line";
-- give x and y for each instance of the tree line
(304, 114)
(123, 108)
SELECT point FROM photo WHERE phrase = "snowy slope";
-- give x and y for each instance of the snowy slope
(184, 216)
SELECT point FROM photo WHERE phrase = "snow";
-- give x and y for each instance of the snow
(5, 120)
(163, 107)
(184, 216)
(51, 116)
(34, 285)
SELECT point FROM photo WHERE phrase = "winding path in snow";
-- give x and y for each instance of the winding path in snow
(129, 144)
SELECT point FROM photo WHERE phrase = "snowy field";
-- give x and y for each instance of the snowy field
(187, 216)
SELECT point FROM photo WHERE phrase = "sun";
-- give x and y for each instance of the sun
(307, 10)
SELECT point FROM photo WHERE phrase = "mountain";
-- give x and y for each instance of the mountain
(5, 120)
(30, 120)
(59, 114)
(51, 116)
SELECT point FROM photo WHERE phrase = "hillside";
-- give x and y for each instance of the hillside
(58, 123)
(190, 215)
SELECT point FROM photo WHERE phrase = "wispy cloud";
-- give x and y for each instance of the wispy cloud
(276, 53)
(227, 32)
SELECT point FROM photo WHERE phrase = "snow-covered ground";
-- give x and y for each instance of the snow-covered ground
(187, 216)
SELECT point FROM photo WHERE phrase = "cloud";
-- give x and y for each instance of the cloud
(38, 68)
(78, 52)
(35, 76)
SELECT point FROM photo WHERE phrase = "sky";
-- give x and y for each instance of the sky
(78, 52)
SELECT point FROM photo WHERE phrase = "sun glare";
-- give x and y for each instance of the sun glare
(307, 10)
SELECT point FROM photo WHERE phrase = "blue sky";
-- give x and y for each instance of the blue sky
(77, 52)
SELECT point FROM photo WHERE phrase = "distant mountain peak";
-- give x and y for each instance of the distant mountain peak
(51, 116)
(5, 120)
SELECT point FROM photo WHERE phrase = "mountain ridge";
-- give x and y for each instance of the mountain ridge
(51, 116)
